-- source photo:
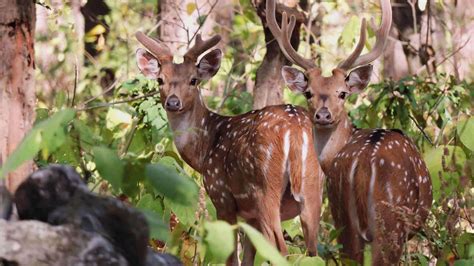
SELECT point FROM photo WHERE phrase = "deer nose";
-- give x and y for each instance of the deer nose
(173, 103)
(323, 116)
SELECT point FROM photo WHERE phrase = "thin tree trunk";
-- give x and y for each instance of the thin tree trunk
(269, 82)
(17, 83)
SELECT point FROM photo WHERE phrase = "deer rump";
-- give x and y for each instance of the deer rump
(377, 181)
(264, 154)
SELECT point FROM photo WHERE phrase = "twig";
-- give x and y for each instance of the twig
(74, 89)
(202, 24)
(128, 142)
(117, 102)
(421, 129)
(445, 58)
(111, 87)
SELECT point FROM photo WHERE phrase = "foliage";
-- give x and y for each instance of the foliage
(117, 136)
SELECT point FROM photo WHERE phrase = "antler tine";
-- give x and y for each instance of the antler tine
(381, 36)
(283, 35)
(201, 46)
(157, 48)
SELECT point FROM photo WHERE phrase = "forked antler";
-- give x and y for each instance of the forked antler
(200, 47)
(156, 47)
(283, 36)
(163, 53)
(381, 35)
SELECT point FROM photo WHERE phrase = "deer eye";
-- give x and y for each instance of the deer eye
(193, 82)
(160, 81)
(342, 95)
(308, 95)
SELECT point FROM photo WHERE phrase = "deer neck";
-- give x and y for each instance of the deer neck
(191, 135)
(329, 141)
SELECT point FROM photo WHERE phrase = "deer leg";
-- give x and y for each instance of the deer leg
(310, 213)
(249, 249)
(387, 249)
(389, 239)
(352, 244)
(270, 223)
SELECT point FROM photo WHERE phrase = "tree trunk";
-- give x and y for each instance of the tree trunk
(269, 82)
(17, 83)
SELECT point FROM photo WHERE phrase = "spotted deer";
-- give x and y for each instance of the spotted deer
(260, 165)
(378, 185)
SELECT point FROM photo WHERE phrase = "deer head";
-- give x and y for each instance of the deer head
(326, 95)
(178, 82)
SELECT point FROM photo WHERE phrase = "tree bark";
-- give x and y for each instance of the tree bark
(17, 83)
(269, 82)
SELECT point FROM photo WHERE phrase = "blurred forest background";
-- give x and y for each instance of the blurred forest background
(94, 111)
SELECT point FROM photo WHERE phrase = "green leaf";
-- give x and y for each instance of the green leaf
(158, 229)
(292, 227)
(148, 203)
(263, 247)
(109, 165)
(422, 259)
(449, 179)
(464, 262)
(47, 136)
(350, 32)
(172, 185)
(219, 241)
(311, 261)
(201, 19)
(464, 130)
(185, 213)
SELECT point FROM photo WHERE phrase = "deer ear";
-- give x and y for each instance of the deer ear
(209, 64)
(358, 79)
(147, 64)
(294, 79)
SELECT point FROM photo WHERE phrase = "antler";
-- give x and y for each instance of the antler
(157, 48)
(381, 36)
(283, 36)
(201, 46)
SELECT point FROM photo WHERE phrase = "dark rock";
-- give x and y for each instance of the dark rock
(57, 195)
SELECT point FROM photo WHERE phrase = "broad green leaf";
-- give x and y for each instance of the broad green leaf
(263, 247)
(149, 204)
(422, 259)
(116, 118)
(465, 131)
(350, 32)
(185, 213)
(292, 227)
(311, 261)
(45, 136)
(434, 159)
(172, 185)
(219, 240)
(109, 165)
(158, 229)
(465, 245)
(464, 262)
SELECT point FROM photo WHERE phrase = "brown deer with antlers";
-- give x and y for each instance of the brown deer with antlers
(260, 166)
(378, 185)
